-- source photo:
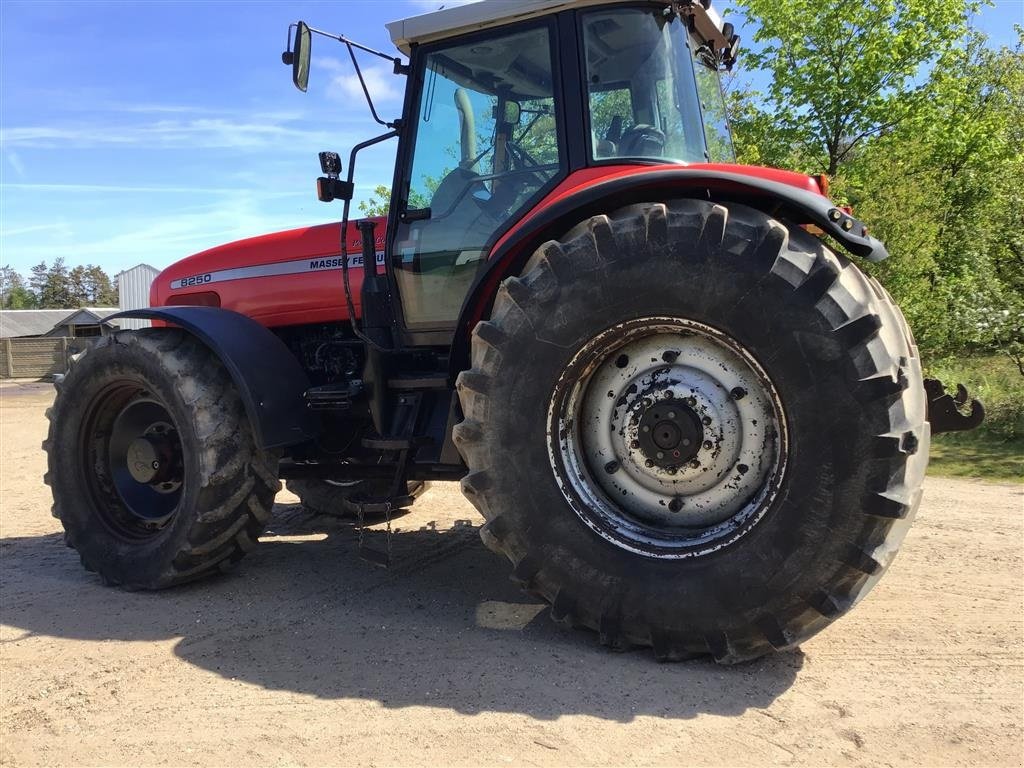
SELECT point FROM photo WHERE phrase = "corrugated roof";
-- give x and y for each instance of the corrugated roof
(88, 316)
(152, 269)
(36, 322)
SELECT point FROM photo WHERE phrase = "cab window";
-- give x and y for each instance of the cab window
(487, 141)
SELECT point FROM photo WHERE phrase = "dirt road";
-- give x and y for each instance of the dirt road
(306, 655)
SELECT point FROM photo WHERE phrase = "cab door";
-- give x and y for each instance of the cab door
(486, 142)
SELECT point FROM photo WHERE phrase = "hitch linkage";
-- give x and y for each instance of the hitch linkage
(944, 409)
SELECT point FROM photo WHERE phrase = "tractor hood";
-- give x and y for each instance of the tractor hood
(284, 278)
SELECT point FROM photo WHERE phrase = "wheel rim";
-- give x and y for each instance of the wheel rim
(133, 460)
(667, 437)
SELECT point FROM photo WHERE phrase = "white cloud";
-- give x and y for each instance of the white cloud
(115, 189)
(60, 227)
(159, 238)
(198, 133)
(15, 162)
(384, 86)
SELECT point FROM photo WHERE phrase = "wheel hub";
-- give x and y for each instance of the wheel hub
(667, 436)
(150, 458)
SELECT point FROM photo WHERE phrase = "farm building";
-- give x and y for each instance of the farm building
(35, 343)
(49, 323)
(133, 292)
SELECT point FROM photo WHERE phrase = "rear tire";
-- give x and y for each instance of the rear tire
(773, 566)
(159, 395)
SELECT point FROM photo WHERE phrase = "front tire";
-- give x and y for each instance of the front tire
(155, 473)
(777, 530)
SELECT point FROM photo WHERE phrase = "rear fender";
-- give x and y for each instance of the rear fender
(551, 221)
(269, 379)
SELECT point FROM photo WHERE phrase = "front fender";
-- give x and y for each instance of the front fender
(551, 221)
(269, 379)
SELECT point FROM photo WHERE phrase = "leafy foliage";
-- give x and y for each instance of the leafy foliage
(56, 287)
(843, 72)
(920, 124)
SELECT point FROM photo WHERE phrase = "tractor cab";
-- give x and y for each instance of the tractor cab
(506, 100)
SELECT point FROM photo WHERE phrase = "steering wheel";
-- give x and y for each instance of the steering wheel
(642, 141)
(452, 190)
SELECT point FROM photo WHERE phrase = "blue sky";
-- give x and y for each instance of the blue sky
(143, 132)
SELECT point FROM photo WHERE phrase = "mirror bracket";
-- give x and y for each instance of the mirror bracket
(334, 189)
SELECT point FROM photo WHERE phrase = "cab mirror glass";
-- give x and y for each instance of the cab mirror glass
(300, 56)
(512, 113)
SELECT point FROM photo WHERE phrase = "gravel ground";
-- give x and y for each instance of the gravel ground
(306, 655)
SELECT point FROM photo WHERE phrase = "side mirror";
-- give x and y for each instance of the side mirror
(299, 56)
(512, 113)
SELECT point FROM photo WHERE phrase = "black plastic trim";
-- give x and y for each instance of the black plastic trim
(269, 379)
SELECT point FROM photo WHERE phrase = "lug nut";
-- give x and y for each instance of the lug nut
(708, 445)
(738, 393)
(155, 465)
(706, 421)
(691, 401)
(695, 464)
(649, 464)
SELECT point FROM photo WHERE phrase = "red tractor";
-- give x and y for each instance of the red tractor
(689, 422)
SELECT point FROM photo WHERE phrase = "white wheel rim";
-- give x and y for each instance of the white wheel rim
(667, 437)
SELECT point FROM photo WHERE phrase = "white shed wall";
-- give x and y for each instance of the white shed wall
(133, 293)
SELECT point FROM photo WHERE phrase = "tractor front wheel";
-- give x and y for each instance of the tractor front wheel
(693, 428)
(154, 469)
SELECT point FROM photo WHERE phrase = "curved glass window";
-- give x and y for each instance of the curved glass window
(487, 141)
(651, 92)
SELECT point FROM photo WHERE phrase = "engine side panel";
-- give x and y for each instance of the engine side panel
(281, 279)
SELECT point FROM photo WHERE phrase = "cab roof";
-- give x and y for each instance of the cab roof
(475, 16)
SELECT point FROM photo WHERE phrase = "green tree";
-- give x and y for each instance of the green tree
(52, 286)
(841, 72)
(90, 286)
(378, 204)
(14, 294)
(943, 190)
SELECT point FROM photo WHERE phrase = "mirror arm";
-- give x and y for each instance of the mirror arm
(400, 68)
(350, 305)
(366, 91)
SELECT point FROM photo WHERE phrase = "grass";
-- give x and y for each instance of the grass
(994, 451)
(963, 454)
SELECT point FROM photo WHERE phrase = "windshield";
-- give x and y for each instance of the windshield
(652, 94)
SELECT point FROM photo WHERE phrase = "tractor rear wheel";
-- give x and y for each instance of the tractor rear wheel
(693, 428)
(155, 473)
(328, 497)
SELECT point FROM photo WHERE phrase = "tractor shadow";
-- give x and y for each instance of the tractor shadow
(444, 627)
